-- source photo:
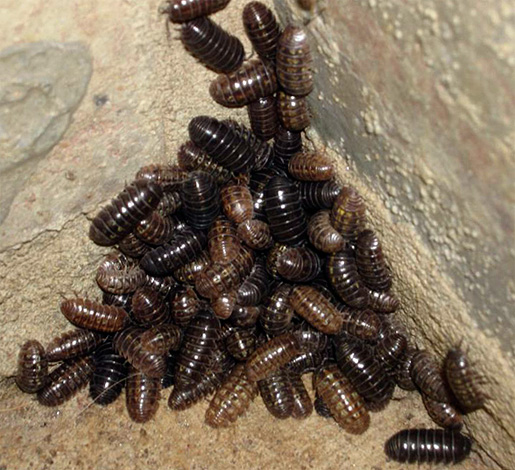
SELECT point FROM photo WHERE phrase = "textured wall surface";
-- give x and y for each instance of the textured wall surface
(414, 100)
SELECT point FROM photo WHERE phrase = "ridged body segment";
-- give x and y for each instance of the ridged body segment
(32, 373)
(92, 315)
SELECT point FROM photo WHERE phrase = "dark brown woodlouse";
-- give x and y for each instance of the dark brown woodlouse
(321, 407)
(302, 404)
(322, 235)
(277, 394)
(263, 117)
(428, 377)
(109, 376)
(212, 45)
(92, 315)
(201, 200)
(155, 229)
(118, 274)
(464, 380)
(316, 309)
(294, 62)
(348, 214)
(167, 176)
(222, 241)
(286, 144)
(160, 339)
(73, 343)
(118, 300)
(443, 414)
(343, 401)
(169, 204)
(183, 248)
(184, 306)
(272, 355)
(272, 259)
(164, 286)
(262, 29)
(307, 362)
(310, 338)
(222, 144)
(65, 381)
(32, 373)
(180, 11)
(318, 195)
(188, 273)
(119, 218)
(183, 398)
(142, 396)
(293, 112)
(277, 311)
(383, 302)
(344, 278)
(256, 234)
(258, 181)
(223, 305)
(371, 262)
(245, 317)
(390, 350)
(362, 324)
(310, 166)
(232, 399)
(255, 286)
(284, 211)
(241, 343)
(428, 445)
(402, 373)
(149, 307)
(299, 264)
(132, 246)
(237, 202)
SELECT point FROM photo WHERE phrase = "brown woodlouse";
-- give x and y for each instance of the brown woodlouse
(170, 204)
(344, 277)
(299, 264)
(92, 315)
(149, 307)
(180, 11)
(164, 286)
(322, 235)
(443, 414)
(119, 275)
(286, 144)
(132, 246)
(348, 214)
(310, 166)
(256, 234)
(119, 218)
(294, 62)
(127, 343)
(185, 305)
(245, 317)
(222, 144)
(211, 45)
(142, 396)
(277, 311)
(241, 343)
(188, 273)
(277, 394)
(223, 305)
(65, 381)
(161, 338)
(32, 372)
(371, 263)
(302, 405)
(319, 195)
(383, 302)
(223, 243)
(201, 200)
(390, 350)
(344, 403)
(293, 112)
(362, 324)
(272, 259)
(167, 176)
(316, 309)
(237, 202)
(307, 362)
(255, 286)
(183, 398)
(428, 377)
(71, 344)
(118, 300)
(258, 181)
(272, 355)
(263, 117)
(156, 229)
(428, 445)
(232, 399)
(191, 158)
(464, 380)
(262, 29)
(253, 80)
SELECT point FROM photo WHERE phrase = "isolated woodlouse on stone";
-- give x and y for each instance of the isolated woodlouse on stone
(245, 317)
(119, 218)
(294, 62)
(302, 405)
(272, 355)
(255, 286)
(132, 246)
(109, 376)
(223, 305)
(119, 275)
(155, 229)
(180, 11)
(253, 80)
(142, 396)
(32, 373)
(201, 200)
(277, 394)
(293, 112)
(318, 195)
(362, 324)
(92, 315)
(286, 144)
(127, 343)
(256, 234)
(429, 377)
(443, 414)
(277, 311)
(262, 29)
(322, 235)
(188, 273)
(310, 166)
(72, 344)
(222, 144)
(383, 302)
(191, 158)
(371, 262)
(348, 214)
(167, 176)
(223, 243)
(232, 399)
(237, 202)
(241, 343)
(149, 307)
(65, 381)
(343, 401)
(299, 264)
(428, 445)
(402, 373)
(160, 339)
(184, 305)
(263, 117)
(464, 380)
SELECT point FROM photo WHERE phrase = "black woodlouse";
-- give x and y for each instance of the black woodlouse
(286, 144)
(184, 306)
(189, 272)
(132, 246)
(245, 317)
(262, 29)
(371, 263)
(201, 200)
(277, 311)
(302, 404)
(167, 176)
(263, 117)
(318, 195)
(237, 202)
(277, 394)
(443, 414)
(119, 275)
(241, 343)
(180, 11)
(156, 229)
(149, 307)
(142, 396)
(255, 286)
(32, 373)
(299, 264)
(72, 344)
(160, 339)
(223, 305)
(428, 377)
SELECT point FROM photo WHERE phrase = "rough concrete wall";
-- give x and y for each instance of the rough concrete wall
(381, 78)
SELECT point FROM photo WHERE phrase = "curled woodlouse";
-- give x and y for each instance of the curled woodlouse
(160, 339)
(428, 377)
(212, 45)
(362, 324)
(119, 275)
(343, 401)
(255, 286)
(149, 307)
(263, 117)
(318, 195)
(464, 380)
(222, 144)
(382, 302)
(201, 200)
(188, 273)
(371, 263)
(277, 311)
(92, 315)
(294, 62)
(223, 305)
(183, 248)
(262, 29)
(142, 396)
(127, 343)
(344, 278)
(286, 144)
(241, 343)
(180, 11)
(272, 355)
(322, 235)
(156, 229)
(443, 414)
(232, 399)
(277, 394)
(316, 309)
(310, 166)
(253, 80)
(428, 445)
(32, 372)
(284, 211)
(390, 350)
(299, 264)
(256, 234)
(191, 158)
(302, 405)
(402, 373)
(348, 214)
(109, 376)
(166, 175)
(293, 112)
(185, 305)
(237, 202)
(119, 218)
(245, 317)
(132, 246)
(65, 381)
(223, 243)
(72, 344)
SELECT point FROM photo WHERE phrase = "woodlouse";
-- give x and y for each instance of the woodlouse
(241, 343)
(118, 300)
(277, 394)
(191, 158)
(149, 307)
(255, 286)
(362, 324)
(223, 305)
(302, 405)
(286, 144)
(237, 202)
(348, 214)
(119, 218)
(132, 246)
(428, 377)
(245, 317)
(142, 396)
(155, 229)
(92, 315)
(293, 112)
(164, 286)
(383, 302)
(201, 200)
(180, 11)
(322, 235)
(299, 264)
(321, 408)
(189, 272)
(310, 166)
(258, 181)
(402, 374)
(307, 362)
(443, 414)
(223, 243)
(167, 176)
(169, 378)
(183, 398)
(262, 29)
(371, 263)
(390, 350)
(277, 311)
(263, 117)
(32, 373)
(318, 195)
(73, 343)
(160, 339)
(185, 305)
(256, 234)
(169, 204)
(272, 259)
(119, 275)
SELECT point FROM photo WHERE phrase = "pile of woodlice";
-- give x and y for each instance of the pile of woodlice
(246, 266)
